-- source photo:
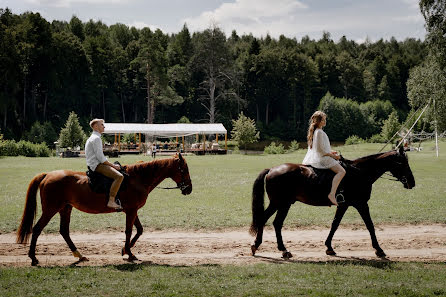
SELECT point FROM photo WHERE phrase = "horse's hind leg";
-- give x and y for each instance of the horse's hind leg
(340, 211)
(37, 229)
(269, 211)
(129, 221)
(278, 223)
(64, 230)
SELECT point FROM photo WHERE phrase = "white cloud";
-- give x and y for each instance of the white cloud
(140, 25)
(69, 3)
(246, 14)
(414, 19)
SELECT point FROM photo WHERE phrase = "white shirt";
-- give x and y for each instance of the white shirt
(315, 155)
(93, 151)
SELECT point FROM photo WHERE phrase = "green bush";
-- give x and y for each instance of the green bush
(354, 139)
(273, 148)
(294, 146)
(24, 148)
(377, 138)
(8, 148)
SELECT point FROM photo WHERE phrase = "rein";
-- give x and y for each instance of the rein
(181, 185)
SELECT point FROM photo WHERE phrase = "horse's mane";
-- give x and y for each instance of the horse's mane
(144, 166)
(366, 159)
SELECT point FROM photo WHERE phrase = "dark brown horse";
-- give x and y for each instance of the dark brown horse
(62, 190)
(288, 183)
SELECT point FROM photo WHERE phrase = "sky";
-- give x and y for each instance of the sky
(355, 19)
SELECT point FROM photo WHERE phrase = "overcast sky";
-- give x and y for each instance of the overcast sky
(356, 19)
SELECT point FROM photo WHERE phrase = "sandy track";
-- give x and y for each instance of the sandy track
(401, 243)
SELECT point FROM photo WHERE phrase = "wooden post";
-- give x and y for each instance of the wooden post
(184, 150)
(216, 138)
(204, 143)
(139, 146)
(119, 141)
(226, 142)
(115, 139)
(196, 138)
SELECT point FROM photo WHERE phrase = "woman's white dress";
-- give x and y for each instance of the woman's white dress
(315, 155)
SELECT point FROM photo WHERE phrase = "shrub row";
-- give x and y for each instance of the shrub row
(24, 148)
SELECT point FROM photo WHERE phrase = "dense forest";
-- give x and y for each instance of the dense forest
(125, 74)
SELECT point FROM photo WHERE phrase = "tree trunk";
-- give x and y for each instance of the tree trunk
(149, 105)
(4, 118)
(267, 114)
(212, 102)
(25, 85)
(122, 107)
(44, 106)
(258, 112)
(103, 104)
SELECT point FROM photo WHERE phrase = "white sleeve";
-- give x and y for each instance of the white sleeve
(321, 144)
(98, 150)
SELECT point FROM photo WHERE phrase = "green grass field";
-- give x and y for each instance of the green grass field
(221, 194)
(292, 279)
(221, 199)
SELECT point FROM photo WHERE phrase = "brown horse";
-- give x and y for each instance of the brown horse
(288, 183)
(62, 190)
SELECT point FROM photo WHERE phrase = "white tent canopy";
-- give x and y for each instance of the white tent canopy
(165, 130)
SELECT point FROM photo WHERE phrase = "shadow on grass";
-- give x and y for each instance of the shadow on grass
(382, 263)
(138, 265)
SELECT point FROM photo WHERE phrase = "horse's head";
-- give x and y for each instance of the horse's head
(400, 169)
(181, 175)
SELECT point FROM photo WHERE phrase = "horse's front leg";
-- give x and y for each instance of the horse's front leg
(340, 211)
(129, 221)
(365, 214)
(139, 230)
(278, 223)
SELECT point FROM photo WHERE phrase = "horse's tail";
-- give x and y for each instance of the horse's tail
(258, 193)
(29, 213)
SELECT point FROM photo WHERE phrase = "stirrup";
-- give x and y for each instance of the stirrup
(340, 197)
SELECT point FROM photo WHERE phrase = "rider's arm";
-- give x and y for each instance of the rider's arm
(97, 145)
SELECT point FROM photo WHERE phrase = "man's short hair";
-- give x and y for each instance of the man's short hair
(94, 121)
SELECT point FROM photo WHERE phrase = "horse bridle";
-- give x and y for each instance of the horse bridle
(402, 179)
(181, 185)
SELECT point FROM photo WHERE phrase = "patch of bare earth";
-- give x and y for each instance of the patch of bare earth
(417, 243)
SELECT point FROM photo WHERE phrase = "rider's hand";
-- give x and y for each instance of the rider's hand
(116, 166)
(335, 155)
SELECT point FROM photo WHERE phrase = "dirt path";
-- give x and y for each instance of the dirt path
(401, 243)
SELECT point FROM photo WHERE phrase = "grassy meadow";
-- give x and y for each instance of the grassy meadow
(221, 196)
(221, 199)
(290, 279)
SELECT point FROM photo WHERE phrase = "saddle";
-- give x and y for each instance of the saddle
(101, 184)
(322, 179)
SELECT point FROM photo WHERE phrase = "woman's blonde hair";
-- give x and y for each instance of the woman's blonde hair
(314, 123)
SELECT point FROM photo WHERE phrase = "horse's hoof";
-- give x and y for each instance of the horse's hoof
(123, 252)
(132, 258)
(286, 255)
(330, 252)
(253, 250)
(380, 254)
(34, 262)
(83, 259)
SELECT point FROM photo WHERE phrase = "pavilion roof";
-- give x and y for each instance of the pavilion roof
(165, 130)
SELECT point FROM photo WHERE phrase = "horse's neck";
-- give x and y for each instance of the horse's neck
(153, 173)
(375, 167)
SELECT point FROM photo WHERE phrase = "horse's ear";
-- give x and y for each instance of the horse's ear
(401, 150)
(180, 156)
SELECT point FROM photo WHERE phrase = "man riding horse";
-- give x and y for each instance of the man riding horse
(97, 162)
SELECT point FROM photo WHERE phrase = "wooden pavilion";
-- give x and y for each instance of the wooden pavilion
(168, 131)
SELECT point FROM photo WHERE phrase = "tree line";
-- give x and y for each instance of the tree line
(125, 74)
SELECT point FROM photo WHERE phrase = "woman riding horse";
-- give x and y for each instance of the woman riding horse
(287, 183)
